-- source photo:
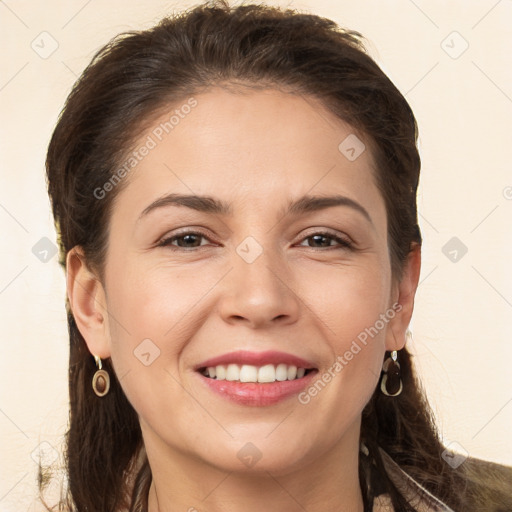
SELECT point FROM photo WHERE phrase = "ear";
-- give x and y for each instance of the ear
(403, 294)
(88, 303)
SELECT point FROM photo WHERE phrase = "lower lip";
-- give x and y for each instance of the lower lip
(258, 394)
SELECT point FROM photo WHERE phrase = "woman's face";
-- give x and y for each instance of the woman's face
(256, 284)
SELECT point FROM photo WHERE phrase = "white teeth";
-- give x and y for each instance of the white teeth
(281, 372)
(292, 372)
(220, 372)
(233, 372)
(267, 373)
(250, 373)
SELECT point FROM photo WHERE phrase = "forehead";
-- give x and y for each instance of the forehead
(255, 145)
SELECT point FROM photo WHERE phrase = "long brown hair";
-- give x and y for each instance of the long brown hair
(127, 83)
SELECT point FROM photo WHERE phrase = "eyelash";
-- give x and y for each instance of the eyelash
(166, 242)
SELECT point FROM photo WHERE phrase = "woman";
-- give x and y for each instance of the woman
(219, 358)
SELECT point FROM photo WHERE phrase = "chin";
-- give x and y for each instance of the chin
(259, 454)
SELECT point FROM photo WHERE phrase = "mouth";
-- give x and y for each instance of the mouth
(255, 386)
(256, 378)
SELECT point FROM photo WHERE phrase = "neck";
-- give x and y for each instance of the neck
(329, 481)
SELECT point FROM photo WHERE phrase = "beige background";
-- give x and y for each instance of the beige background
(463, 104)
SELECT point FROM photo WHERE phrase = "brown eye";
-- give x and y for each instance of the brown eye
(187, 240)
(324, 240)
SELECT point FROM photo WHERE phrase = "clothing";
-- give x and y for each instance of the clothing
(484, 486)
(418, 497)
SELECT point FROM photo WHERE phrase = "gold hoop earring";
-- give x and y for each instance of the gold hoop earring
(391, 382)
(101, 379)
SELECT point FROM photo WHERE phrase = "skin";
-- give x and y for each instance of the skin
(257, 150)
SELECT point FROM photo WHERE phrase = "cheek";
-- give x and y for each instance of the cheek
(151, 303)
(155, 312)
(349, 299)
(145, 312)
(354, 314)
(149, 324)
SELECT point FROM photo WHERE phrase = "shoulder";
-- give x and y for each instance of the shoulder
(418, 496)
(489, 484)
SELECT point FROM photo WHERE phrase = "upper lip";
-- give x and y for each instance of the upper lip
(256, 359)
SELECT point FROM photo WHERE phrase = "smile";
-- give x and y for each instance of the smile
(256, 378)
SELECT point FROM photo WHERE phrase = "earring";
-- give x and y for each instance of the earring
(101, 379)
(391, 382)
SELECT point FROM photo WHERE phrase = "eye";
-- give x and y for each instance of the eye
(186, 240)
(323, 236)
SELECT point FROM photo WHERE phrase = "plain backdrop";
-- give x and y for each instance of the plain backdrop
(452, 62)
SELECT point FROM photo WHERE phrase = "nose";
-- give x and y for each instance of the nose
(259, 293)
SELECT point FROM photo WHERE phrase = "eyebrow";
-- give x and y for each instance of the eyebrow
(208, 204)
